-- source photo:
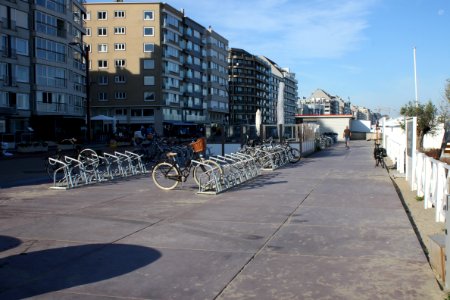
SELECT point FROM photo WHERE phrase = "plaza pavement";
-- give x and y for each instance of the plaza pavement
(329, 227)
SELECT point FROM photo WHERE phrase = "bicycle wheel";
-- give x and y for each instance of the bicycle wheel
(165, 176)
(89, 159)
(294, 155)
(205, 172)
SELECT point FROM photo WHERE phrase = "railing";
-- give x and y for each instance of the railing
(395, 148)
(431, 182)
(430, 177)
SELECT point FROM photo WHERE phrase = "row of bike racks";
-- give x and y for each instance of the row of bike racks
(237, 168)
(74, 172)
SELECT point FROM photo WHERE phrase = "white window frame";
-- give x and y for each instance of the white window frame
(102, 64)
(101, 80)
(149, 28)
(88, 31)
(119, 14)
(120, 30)
(120, 79)
(149, 18)
(120, 63)
(149, 44)
(102, 48)
(120, 47)
(150, 61)
(148, 93)
(104, 14)
(102, 31)
(102, 96)
(149, 80)
(120, 95)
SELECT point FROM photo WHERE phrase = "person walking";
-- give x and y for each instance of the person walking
(347, 135)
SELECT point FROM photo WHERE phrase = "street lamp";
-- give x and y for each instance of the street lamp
(85, 53)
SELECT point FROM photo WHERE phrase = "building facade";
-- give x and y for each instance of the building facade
(42, 80)
(153, 66)
(249, 82)
(322, 103)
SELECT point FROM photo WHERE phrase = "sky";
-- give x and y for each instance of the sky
(360, 50)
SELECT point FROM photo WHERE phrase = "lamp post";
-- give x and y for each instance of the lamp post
(85, 53)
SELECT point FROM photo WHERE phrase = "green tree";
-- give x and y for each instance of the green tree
(426, 118)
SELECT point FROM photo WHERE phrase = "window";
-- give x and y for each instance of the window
(102, 31)
(102, 64)
(46, 97)
(22, 74)
(119, 63)
(119, 14)
(149, 80)
(119, 30)
(119, 47)
(102, 96)
(87, 16)
(88, 31)
(149, 96)
(102, 47)
(148, 15)
(23, 101)
(149, 31)
(50, 50)
(21, 46)
(149, 47)
(102, 15)
(148, 112)
(121, 112)
(102, 80)
(119, 79)
(149, 64)
(120, 95)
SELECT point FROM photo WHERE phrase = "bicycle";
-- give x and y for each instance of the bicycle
(87, 157)
(379, 154)
(168, 174)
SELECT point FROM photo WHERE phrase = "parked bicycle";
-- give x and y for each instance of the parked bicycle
(379, 153)
(70, 148)
(168, 174)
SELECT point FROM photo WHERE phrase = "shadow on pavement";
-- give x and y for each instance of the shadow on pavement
(8, 242)
(34, 273)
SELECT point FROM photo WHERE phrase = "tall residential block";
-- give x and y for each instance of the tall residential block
(42, 86)
(151, 65)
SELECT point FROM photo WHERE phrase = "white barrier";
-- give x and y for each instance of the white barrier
(430, 176)
(395, 150)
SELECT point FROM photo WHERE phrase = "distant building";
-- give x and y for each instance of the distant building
(284, 75)
(322, 103)
(42, 78)
(152, 65)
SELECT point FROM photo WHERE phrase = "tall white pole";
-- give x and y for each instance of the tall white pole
(415, 78)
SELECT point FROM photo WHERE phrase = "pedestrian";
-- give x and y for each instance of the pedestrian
(347, 135)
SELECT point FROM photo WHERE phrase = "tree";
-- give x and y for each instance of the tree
(447, 90)
(426, 118)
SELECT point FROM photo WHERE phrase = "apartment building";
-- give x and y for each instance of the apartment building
(151, 65)
(322, 103)
(249, 82)
(42, 81)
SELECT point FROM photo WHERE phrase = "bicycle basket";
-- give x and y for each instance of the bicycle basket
(199, 145)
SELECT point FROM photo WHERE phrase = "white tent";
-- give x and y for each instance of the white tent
(102, 118)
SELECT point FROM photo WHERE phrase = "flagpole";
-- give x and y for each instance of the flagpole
(415, 78)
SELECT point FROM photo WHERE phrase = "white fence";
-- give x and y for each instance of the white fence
(429, 177)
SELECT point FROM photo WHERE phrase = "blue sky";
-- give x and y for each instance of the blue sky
(360, 50)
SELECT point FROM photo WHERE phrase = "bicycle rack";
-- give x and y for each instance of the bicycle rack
(72, 172)
(209, 181)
